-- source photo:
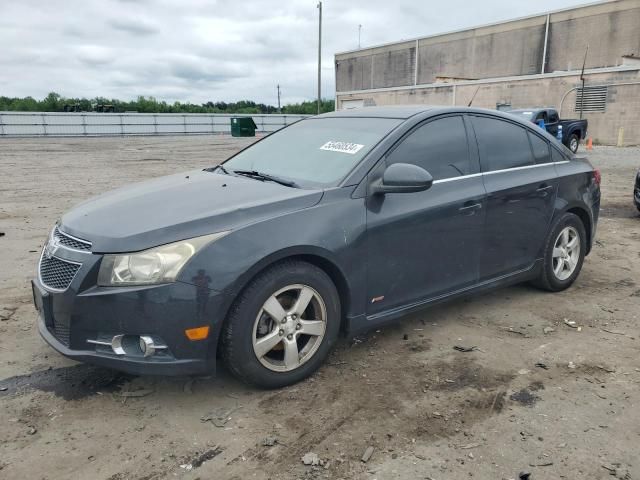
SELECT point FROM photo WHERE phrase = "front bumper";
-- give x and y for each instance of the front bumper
(128, 365)
(70, 320)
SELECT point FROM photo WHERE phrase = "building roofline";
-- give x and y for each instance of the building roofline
(537, 76)
(475, 27)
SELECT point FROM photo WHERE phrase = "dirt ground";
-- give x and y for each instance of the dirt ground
(535, 396)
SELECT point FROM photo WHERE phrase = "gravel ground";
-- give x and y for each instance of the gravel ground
(536, 395)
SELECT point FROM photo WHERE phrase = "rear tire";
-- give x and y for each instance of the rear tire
(282, 326)
(564, 252)
(574, 142)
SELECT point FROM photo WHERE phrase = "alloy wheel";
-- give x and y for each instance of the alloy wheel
(289, 328)
(566, 253)
(573, 144)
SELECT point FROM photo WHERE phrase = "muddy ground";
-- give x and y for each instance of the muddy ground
(560, 404)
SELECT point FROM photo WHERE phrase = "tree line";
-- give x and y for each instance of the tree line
(57, 103)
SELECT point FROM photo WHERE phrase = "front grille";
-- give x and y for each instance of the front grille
(56, 273)
(71, 242)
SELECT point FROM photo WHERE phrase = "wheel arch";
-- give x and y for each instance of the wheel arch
(584, 216)
(316, 256)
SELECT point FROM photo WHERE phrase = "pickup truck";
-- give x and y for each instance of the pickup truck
(573, 130)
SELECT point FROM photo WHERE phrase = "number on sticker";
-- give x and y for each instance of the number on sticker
(342, 147)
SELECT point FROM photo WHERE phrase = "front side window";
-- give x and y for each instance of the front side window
(317, 152)
(440, 147)
(554, 118)
(502, 144)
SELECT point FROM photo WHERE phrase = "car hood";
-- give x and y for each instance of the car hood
(177, 207)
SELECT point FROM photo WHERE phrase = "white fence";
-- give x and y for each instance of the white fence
(102, 124)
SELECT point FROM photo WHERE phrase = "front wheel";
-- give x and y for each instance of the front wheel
(282, 326)
(574, 142)
(564, 252)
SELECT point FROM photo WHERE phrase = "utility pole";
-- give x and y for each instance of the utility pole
(359, 31)
(319, 55)
(279, 111)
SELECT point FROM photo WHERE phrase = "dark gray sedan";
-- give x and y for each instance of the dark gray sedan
(338, 223)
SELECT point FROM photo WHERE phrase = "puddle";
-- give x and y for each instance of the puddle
(71, 383)
(525, 397)
(465, 373)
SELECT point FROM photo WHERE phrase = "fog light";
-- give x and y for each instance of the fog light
(198, 333)
(147, 346)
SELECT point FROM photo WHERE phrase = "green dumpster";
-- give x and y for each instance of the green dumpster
(243, 127)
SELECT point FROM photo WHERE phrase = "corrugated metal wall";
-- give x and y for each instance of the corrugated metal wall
(95, 124)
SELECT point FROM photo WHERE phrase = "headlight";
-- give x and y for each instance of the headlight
(156, 265)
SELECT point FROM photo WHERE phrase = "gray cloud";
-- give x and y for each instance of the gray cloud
(134, 26)
(200, 50)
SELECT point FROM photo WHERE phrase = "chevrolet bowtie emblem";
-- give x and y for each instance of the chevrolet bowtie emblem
(52, 247)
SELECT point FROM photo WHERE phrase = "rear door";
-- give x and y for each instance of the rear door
(521, 184)
(425, 244)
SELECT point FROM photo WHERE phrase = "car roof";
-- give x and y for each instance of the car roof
(404, 112)
(391, 111)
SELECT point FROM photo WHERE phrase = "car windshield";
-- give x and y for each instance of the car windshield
(318, 152)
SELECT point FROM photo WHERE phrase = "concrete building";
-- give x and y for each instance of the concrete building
(532, 61)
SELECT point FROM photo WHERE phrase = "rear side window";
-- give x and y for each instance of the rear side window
(556, 156)
(440, 147)
(553, 118)
(542, 116)
(502, 144)
(540, 148)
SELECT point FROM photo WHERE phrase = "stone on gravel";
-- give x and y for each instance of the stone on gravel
(269, 441)
(367, 454)
(311, 458)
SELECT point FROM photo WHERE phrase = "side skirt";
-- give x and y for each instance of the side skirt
(361, 323)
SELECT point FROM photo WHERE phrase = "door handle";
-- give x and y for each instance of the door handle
(470, 208)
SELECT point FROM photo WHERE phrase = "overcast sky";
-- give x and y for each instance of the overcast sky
(200, 50)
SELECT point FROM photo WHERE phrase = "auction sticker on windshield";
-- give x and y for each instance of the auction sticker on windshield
(342, 147)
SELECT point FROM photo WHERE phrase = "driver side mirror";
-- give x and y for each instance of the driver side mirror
(402, 178)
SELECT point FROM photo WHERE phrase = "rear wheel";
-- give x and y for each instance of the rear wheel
(565, 249)
(282, 326)
(574, 142)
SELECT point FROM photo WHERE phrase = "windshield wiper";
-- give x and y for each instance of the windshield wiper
(217, 167)
(265, 176)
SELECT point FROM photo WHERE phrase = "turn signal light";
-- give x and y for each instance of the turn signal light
(198, 333)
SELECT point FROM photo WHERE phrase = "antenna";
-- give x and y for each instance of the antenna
(473, 97)
(584, 62)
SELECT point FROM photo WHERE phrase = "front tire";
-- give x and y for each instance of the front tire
(564, 252)
(282, 326)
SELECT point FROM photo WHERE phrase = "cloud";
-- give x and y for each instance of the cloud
(134, 26)
(95, 55)
(201, 50)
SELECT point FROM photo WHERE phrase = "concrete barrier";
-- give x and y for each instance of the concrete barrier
(29, 124)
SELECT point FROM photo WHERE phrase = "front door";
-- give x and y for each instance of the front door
(426, 244)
